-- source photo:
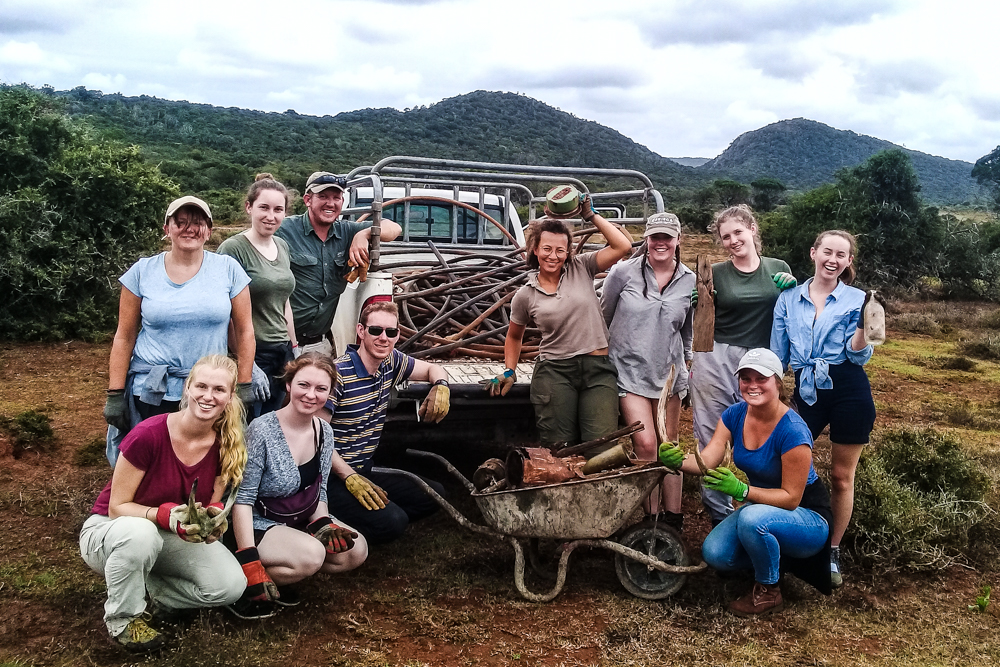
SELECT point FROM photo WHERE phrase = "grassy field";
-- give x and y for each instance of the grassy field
(445, 596)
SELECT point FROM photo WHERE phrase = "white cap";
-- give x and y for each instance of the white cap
(763, 361)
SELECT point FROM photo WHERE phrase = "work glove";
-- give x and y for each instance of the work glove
(244, 390)
(501, 384)
(173, 518)
(116, 409)
(694, 297)
(587, 211)
(259, 585)
(671, 455)
(861, 320)
(213, 510)
(722, 479)
(296, 351)
(371, 496)
(784, 280)
(336, 539)
(435, 407)
(260, 385)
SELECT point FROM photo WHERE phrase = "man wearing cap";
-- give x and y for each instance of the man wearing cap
(320, 247)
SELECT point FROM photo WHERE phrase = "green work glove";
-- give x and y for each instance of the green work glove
(671, 455)
(784, 280)
(116, 410)
(722, 479)
(694, 297)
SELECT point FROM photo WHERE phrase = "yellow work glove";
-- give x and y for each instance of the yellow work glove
(435, 407)
(371, 496)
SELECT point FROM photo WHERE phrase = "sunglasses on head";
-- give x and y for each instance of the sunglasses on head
(390, 332)
(330, 179)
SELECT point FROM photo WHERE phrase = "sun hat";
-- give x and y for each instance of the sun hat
(562, 201)
(663, 223)
(763, 361)
(324, 180)
(177, 204)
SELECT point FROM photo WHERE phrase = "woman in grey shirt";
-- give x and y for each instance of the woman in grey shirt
(647, 306)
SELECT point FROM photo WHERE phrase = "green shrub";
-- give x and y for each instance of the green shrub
(91, 453)
(29, 430)
(918, 498)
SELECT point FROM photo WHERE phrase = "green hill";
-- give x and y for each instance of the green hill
(804, 154)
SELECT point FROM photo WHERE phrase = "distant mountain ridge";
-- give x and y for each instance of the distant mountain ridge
(804, 154)
(206, 147)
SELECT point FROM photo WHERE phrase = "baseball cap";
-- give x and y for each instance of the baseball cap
(763, 361)
(562, 201)
(324, 180)
(663, 223)
(177, 204)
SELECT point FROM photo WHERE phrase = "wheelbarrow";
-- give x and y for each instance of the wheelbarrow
(650, 559)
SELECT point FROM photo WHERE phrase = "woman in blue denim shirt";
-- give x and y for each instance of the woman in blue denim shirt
(816, 332)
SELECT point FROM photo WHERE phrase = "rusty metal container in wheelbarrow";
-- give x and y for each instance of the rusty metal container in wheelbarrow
(650, 558)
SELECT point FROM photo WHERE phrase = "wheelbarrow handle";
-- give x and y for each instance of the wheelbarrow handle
(450, 468)
(445, 505)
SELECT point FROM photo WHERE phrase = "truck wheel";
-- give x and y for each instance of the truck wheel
(659, 541)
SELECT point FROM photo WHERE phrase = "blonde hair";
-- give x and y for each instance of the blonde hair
(229, 425)
(847, 275)
(741, 214)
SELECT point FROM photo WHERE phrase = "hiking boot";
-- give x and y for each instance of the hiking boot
(138, 637)
(762, 600)
(836, 579)
(672, 519)
(252, 610)
(289, 597)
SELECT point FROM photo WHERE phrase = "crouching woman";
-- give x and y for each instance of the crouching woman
(137, 535)
(784, 521)
(284, 532)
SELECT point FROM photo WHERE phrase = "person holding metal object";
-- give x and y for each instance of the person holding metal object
(746, 287)
(819, 332)
(176, 307)
(321, 246)
(140, 535)
(378, 503)
(282, 524)
(785, 517)
(265, 258)
(647, 307)
(574, 387)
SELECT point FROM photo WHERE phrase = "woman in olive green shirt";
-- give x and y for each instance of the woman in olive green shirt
(265, 258)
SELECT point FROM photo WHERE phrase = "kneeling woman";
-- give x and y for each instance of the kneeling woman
(136, 537)
(785, 520)
(284, 532)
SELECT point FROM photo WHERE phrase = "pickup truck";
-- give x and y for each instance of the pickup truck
(447, 202)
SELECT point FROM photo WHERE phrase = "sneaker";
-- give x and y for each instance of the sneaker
(762, 600)
(289, 597)
(138, 637)
(252, 610)
(836, 579)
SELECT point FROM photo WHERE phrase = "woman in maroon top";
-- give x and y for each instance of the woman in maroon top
(136, 537)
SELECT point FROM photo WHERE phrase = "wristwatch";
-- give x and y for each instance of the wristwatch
(441, 381)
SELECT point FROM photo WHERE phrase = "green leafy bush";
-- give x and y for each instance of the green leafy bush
(918, 498)
(29, 430)
(75, 219)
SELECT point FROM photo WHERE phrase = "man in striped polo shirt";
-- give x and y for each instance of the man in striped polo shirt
(378, 505)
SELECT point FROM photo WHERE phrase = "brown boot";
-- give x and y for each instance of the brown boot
(764, 599)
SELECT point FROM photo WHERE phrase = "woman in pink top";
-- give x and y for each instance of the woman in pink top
(136, 536)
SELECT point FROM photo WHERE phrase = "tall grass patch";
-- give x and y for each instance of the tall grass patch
(918, 498)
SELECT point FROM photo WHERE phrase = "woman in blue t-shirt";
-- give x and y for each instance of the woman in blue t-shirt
(175, 309)
(784, 520)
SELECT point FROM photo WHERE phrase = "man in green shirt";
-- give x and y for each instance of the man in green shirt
(320, 247)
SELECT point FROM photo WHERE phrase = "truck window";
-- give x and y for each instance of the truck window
(433, 221)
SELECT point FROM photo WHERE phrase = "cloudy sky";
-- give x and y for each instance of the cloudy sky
(683, 77)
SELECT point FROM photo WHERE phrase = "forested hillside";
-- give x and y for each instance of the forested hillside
(804, 154)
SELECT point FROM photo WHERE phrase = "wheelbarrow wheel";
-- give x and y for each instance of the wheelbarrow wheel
(659, 541)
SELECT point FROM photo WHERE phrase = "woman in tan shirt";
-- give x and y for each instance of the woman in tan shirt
(574, 385)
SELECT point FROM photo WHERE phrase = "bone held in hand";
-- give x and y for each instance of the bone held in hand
(697, 457)
(661, 405)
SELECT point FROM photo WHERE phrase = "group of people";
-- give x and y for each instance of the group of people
(601, 354)
(286, 433)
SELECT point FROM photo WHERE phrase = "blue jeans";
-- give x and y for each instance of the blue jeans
(757, 535)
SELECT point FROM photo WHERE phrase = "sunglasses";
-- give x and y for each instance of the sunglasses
(330, 179)
(390, 332)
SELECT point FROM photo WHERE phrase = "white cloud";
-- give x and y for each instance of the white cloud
(104, 82)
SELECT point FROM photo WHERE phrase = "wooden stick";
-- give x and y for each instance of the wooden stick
(704, 313)
(584, 446)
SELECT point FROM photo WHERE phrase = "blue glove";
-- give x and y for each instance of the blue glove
(260, 385)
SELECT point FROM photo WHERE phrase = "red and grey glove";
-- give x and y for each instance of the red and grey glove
(171, 517)
(259, 585)
(336, 539)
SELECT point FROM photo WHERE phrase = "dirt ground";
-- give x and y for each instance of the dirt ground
(445, 596)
